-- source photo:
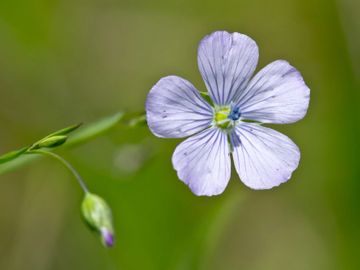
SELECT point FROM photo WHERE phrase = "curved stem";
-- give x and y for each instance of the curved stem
(66, 164)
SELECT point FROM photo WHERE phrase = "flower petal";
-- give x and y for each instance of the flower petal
(277, 94)
(226, 62)
(203, 162)
(175, 109)
(263, 157)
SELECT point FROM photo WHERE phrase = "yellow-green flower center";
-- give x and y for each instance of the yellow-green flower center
(221, 117)
(225, 117)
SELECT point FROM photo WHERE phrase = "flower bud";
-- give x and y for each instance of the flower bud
(52, 141)
(97, 215)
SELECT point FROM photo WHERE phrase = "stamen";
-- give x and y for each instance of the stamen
(235, 114)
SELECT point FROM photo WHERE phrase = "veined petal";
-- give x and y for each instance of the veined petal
(203, 163)
(175, 109)
(226, 62)
(263, 157)
(277, 94)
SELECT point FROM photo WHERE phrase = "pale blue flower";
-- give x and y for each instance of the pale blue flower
(277, 94)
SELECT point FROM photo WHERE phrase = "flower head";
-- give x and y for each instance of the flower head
(277, 94)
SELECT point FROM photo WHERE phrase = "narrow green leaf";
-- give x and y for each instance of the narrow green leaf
(12, 155)
(87, 133)
(18, 162)
(92, 130)
(64, 131)
(138, 121)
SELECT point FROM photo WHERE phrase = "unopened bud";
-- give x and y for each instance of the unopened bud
(97, 215)
(52, 141)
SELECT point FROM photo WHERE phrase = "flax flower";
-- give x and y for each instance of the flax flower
(232, 124)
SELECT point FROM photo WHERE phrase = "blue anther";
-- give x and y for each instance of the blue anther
(234, 114)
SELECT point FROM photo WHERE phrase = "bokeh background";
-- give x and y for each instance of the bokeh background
(64, 62)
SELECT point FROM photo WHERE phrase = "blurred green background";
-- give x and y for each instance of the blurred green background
(63, 62)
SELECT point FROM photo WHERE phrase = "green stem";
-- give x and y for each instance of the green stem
(16, 159)
(65, 163)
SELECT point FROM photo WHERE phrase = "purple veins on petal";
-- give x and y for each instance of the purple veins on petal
(175, 109)
(263, 157)
(203, 162)
(226, 62)
(277, 94)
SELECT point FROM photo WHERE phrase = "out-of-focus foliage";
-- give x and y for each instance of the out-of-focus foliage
(64, 62)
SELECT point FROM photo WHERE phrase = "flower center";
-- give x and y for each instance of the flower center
(226, 116)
